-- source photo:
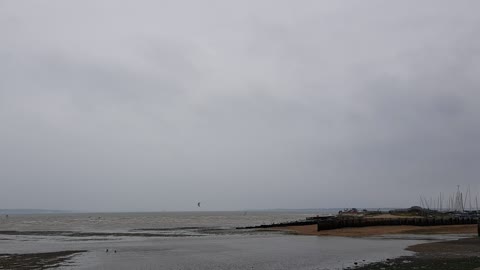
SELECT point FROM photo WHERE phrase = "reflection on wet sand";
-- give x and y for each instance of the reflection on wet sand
(37, 260)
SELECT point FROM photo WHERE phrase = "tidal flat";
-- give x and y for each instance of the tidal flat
(461, 254)
(197, 241)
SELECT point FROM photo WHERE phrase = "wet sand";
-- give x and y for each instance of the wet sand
(461, 254)
(37, 260)
(449, 255)
(236, 252)
(379, 230)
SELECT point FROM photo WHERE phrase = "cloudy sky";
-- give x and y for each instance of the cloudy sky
(154, 105)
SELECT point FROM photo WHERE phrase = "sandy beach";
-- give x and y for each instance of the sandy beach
(379, 230)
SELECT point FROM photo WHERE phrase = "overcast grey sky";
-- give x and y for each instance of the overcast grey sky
(155, 105)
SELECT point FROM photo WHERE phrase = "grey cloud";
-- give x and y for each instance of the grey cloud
(256, 104)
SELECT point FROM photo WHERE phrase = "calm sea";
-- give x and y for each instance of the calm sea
(188, 240)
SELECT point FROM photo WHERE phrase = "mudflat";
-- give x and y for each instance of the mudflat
(36, 260)
(462, 254)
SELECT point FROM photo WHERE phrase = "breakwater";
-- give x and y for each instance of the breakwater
(283, 224)
(364, 222)
(338, 223)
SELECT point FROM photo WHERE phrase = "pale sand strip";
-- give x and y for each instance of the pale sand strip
(380, 230)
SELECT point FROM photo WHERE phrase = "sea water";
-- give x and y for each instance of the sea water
(188, 240)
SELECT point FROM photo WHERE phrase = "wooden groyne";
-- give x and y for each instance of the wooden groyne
(284, 224)
(362, 222)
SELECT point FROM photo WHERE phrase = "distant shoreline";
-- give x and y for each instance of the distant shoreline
(195, 210)
(32, 211)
